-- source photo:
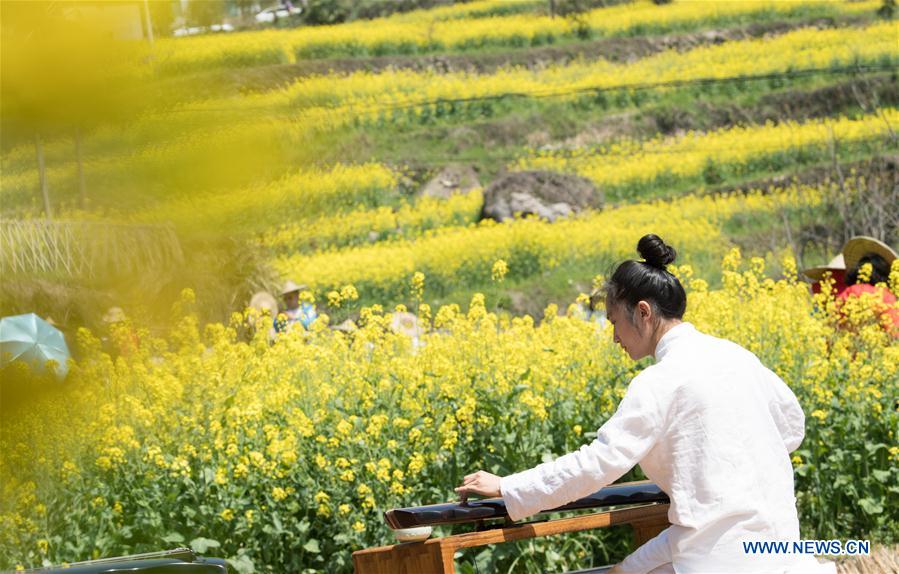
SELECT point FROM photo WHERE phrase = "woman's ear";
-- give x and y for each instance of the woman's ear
(644, 310)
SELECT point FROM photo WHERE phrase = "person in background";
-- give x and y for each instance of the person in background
(295, 312)
(836, 268)
(708, 423)
(122, 337)
(869, 261)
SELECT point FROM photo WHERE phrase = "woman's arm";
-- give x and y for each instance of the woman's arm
(620, 444)
(786, 411)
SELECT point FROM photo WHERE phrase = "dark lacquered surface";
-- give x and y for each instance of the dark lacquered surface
(495, 508)
(180, 561)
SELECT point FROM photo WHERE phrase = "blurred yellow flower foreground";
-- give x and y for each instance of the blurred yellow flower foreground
(282, 457)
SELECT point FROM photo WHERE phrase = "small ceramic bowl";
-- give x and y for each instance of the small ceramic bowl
(416, 534)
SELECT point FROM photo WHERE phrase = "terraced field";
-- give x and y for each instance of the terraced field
(752, 135)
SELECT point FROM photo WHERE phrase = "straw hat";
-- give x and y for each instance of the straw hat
(405, 323)
(817, 273)
(263, 301)
(347, 326)
(114, 315)
(859, 246)
(290, 287)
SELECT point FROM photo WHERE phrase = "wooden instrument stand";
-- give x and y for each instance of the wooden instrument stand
(435, 555)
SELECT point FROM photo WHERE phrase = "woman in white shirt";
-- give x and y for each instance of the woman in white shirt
(708, 423)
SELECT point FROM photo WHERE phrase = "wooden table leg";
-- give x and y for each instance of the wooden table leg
(431, 557)
(646, 530)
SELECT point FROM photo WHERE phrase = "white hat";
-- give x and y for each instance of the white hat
(263, 301)
(862, 245)
(347, 326)
(406, 323)
(114, 315)
(290, 287)
(817, 273)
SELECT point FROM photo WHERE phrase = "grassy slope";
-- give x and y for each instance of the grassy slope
(489, 143)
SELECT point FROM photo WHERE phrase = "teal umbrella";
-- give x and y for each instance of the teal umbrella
(30, 339)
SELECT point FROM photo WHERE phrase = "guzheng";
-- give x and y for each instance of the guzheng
(179, 560)
(626, 493)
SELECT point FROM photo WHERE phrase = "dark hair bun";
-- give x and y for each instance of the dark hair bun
(654, 251)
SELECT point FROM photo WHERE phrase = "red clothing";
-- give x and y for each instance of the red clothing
(839, 282)
(889, 312)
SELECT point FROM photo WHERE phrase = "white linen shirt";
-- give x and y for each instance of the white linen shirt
(713, 428)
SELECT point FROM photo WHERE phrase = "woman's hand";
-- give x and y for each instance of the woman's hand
(482, 483)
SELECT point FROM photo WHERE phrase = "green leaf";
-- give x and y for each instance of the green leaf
(870, 506)
(312, 546)
(201, 545)
(173, 538)
(881, 475)
(242, 564)
(341, 538)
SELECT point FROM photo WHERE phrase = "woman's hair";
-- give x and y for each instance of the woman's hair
(880, 270)
(647, 280)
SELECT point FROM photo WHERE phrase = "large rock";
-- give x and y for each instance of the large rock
(546, 194)
(451, 179)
